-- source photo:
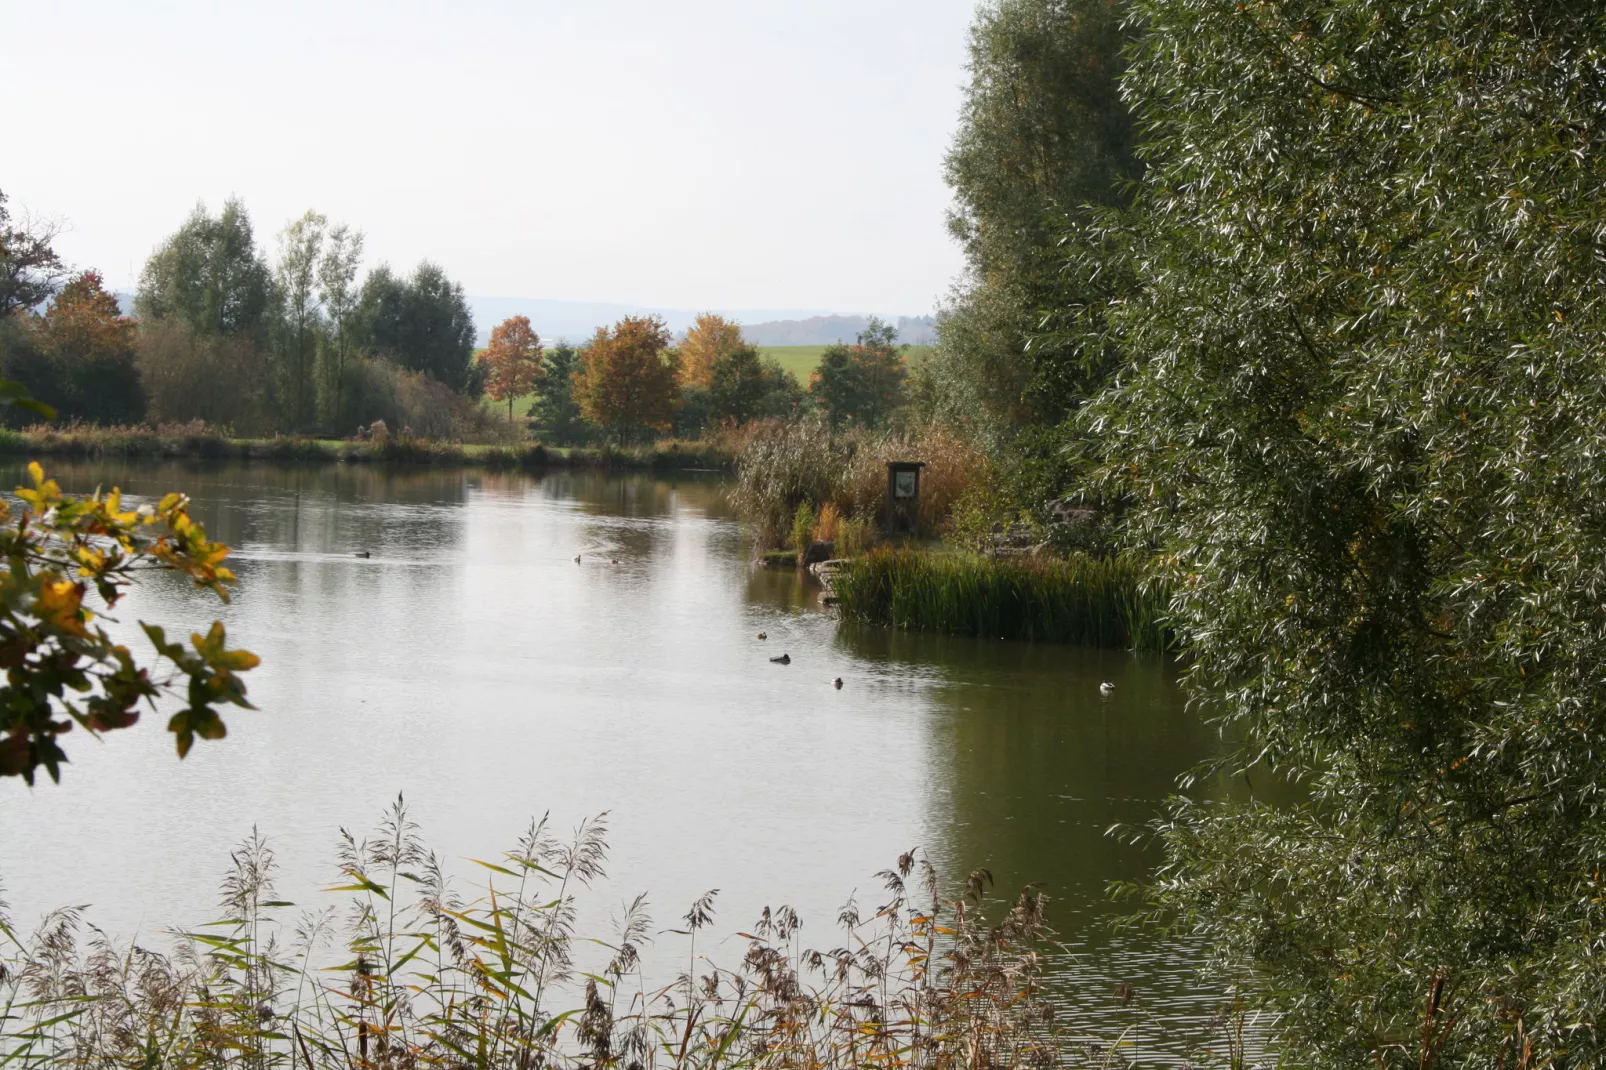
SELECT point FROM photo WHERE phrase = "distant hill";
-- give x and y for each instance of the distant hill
(579, 320)
(826, 330)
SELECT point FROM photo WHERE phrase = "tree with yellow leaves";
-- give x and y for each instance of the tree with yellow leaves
(62, 668)
(629, 378)
(710, 339)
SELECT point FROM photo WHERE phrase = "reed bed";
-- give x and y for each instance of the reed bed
(784, 466)
(1107, 602)
(403, 973)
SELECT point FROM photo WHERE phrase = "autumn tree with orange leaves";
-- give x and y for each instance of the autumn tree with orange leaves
(710, 339)
(512, 361)
(79, 356)
(629, 378)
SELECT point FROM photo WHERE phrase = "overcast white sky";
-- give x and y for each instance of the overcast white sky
(700, 153)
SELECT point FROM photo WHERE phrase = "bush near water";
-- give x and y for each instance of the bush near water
(1086, 600)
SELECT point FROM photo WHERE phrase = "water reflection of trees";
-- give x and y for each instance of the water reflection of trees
(1030, 768)
(1034, 765)
(639, 495)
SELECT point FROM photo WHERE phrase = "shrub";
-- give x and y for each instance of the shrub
(410, 403)
(189, 376)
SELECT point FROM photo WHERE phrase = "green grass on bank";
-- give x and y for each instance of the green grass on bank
(206, 445)
(1085, 600)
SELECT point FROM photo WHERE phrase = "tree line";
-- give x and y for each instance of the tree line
(300, 344)
(632, 380)
(306, 344)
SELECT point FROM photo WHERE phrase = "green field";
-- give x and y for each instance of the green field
(801, 360)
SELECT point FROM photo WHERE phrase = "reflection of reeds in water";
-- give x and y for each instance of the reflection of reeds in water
(1085, 600)
(407, 974)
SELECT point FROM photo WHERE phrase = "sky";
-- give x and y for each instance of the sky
(692, 154)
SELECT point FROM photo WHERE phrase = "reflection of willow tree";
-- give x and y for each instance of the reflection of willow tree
(1036, 765)
(1028, 769)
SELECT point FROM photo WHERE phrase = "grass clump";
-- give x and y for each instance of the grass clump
(406, 974)
(1091, 601)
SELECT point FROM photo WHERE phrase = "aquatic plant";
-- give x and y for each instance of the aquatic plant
(408, 974)
(1107, 602)
(802, 529)
(828, 524)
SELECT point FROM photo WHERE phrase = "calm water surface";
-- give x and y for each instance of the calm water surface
(473, 666)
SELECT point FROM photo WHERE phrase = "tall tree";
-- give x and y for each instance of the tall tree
(555, 412)
(709, 338)
(745, 387)
(1363, 422)
(86, 346)
(300, 252)
(629, 379)
(422, 323)
(209, 275)
(1045, 146)
(30, 270)
(512, 361)
(861, 383)
(337, 290)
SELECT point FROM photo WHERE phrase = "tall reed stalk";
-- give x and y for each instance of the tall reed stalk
(406, 974)
(1091, 601)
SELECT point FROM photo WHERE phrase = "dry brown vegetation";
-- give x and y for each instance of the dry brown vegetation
(783, 465)
(406, 973)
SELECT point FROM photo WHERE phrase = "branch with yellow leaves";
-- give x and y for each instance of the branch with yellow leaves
(62, 667)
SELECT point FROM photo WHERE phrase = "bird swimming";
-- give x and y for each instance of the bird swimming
(364, 553)
(837, 683)
(784, 659)
(577, 559)
(1106, 688)
(761, 635)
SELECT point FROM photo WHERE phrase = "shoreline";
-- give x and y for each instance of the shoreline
(204, 446)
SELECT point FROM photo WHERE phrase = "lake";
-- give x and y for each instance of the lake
(471, 664)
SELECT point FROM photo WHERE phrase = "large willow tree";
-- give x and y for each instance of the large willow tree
(1366, 420)
(1044, 141)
